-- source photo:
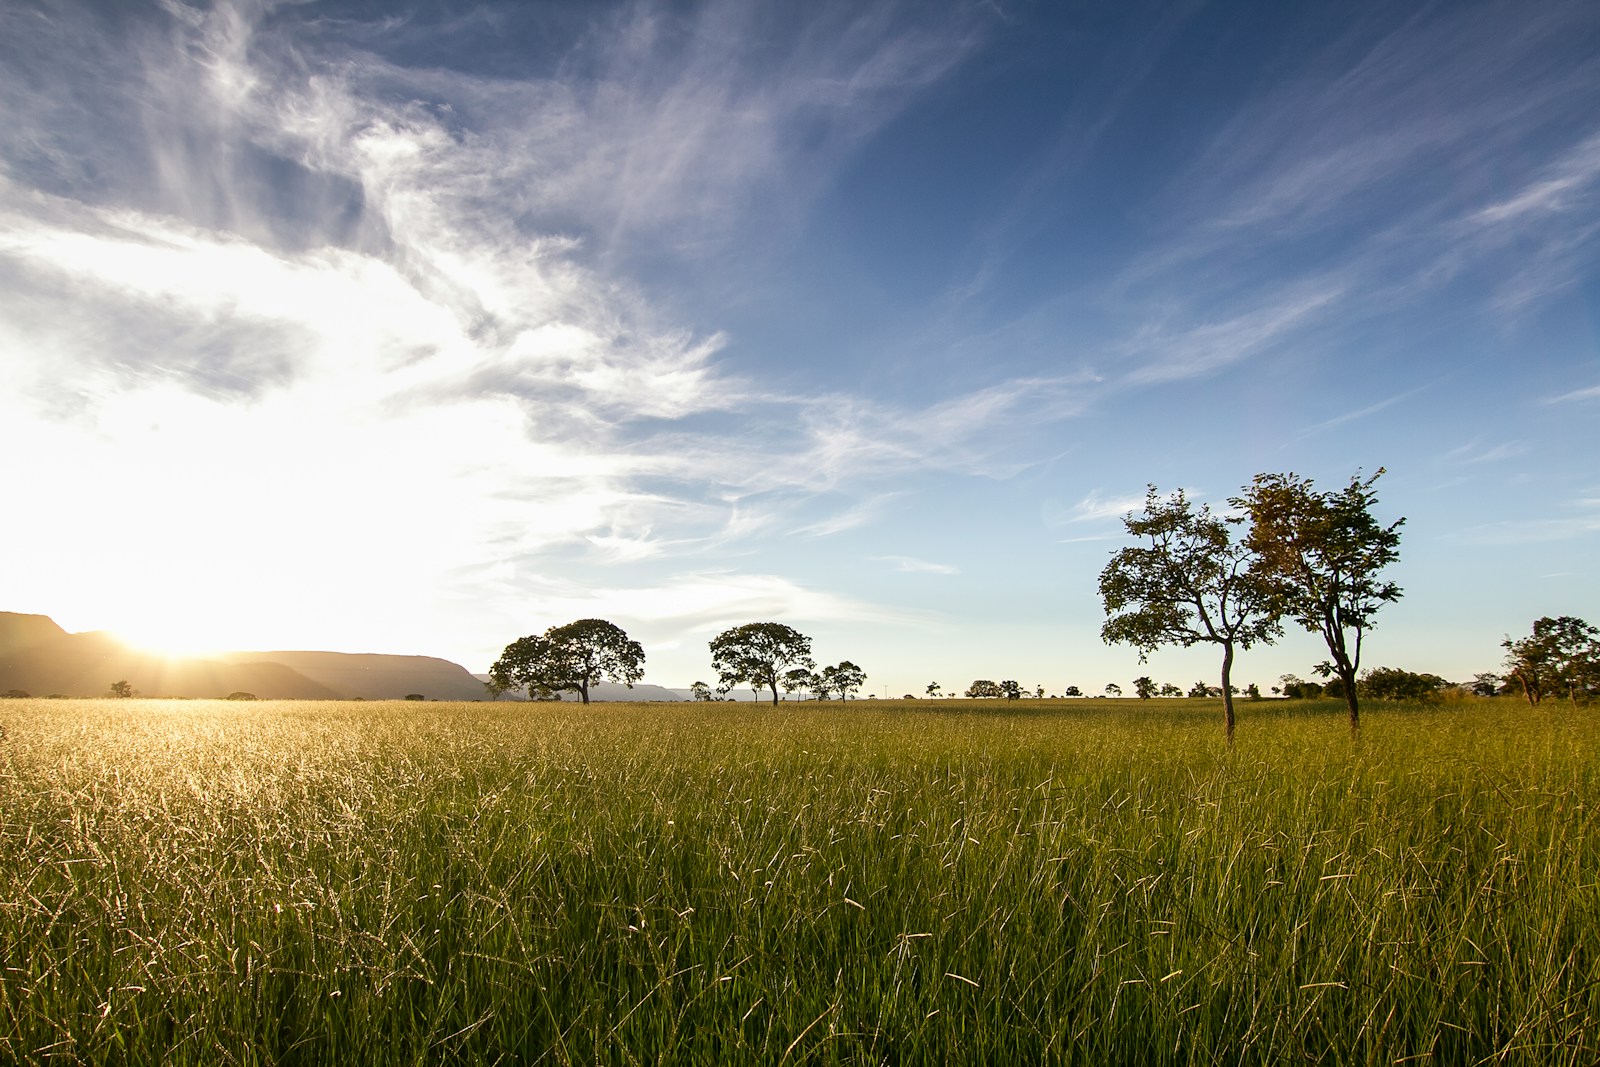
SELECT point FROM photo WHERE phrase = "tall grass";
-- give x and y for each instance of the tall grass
(286, 883)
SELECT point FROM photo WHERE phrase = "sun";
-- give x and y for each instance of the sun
(179, 617)
(172, 637)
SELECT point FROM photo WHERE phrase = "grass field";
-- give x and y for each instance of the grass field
(905, 882)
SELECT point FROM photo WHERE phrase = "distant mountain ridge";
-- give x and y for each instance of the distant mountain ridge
(39, 657)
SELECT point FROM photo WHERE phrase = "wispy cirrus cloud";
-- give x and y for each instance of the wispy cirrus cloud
(1477, 452)
(1590, 393)
(1563, 186)
(912, 565)
(1096, 508)
(1531, 531)
(1194, 349)
(706, 601)
(1373, 180)
(1364, 412)
(286, 266)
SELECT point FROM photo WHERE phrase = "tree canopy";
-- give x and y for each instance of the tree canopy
(569, 658)
(844, 678)
(759, 653)
(803, 680)
(1561, 655)
(1392, 683)
(1191, 583)
(1321, 554)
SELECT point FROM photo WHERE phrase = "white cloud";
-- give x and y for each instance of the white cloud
(1095, 508)
(1198, 349)
(1370, 181)
(912, 565)
(1360, 413)
(1553, 192)
(1590, 393)
(1531, 531)
(1477, 452)
(707, 602)
(407, 391)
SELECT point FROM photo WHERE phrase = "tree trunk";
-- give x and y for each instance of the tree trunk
(1347, 674)
(1529, 691)
(1227, 688)
(583, 689)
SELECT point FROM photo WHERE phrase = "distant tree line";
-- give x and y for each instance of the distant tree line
(572, 658)
(1286, 552)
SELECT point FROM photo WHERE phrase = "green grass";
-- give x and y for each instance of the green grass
(896, 882)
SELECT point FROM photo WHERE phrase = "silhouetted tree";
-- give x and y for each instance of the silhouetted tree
(844, 679)
(1296, 688)
(570, 658)
(759, 653)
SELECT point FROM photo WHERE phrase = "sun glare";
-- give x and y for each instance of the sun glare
(171, 639)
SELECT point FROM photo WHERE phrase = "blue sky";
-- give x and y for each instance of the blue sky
(414, 327)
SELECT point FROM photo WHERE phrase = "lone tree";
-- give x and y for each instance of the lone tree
(982, 687)
(1562, 654)
(122, 688)
(933, 689)
(759, 653)
(1144, 687)
(569, 658)
(1191, 583)
(1320, 557)
(1011, 689)
(844, 679)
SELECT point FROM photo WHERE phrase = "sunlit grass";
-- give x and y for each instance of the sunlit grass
(884, 883)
